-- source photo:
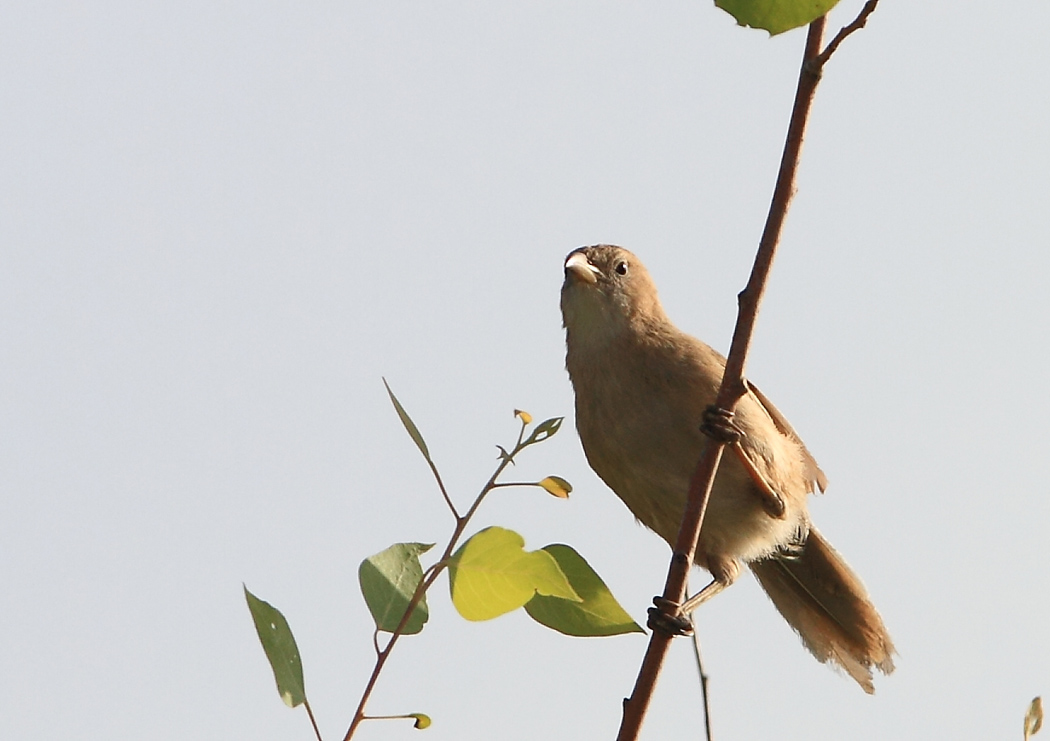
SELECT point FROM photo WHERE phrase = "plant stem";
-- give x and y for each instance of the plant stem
(705, 696)
(310, 714)
(432, 574)
(441, 486)
(857, 24)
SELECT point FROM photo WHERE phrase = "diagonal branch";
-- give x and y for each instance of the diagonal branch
(733, 386)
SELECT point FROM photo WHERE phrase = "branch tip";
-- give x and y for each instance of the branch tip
(858, 23)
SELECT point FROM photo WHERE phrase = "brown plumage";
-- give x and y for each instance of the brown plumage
(641, 389)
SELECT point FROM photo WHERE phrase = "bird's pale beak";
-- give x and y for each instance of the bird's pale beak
(578, 267)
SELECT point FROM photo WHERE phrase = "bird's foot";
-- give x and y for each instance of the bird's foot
(666, 617)
(719, 426)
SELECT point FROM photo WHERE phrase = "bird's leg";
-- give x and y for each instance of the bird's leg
(771, 500)
(673, 619)
(702, 596)
(724, 570)
(719, 425)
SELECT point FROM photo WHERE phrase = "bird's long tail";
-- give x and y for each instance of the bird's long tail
(826, 604)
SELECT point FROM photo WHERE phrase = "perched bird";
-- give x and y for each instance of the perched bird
(642, 387)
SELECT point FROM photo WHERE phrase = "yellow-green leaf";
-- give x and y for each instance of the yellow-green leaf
(1033, 719)
(279, 644)
(388, 581)
(492, 574)
(422, 720)
(776, 16)
(526, 418)
(557, 486)
(599, 614)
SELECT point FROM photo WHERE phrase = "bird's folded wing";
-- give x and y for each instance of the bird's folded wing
(812, 469)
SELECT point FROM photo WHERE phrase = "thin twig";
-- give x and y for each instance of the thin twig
(405, 716)
(310, 714)
(441, 485)
(703, 683)
(858, 23)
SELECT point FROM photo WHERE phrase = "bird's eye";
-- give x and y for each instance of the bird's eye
(621, 267)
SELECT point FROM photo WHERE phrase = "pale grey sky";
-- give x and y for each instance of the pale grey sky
(221, 224)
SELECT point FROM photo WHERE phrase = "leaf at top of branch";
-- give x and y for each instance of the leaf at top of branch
(556, 486)
(388, 581)
(413, 431)
(544, 430)
(492, 574)
(1033, 719)
(599, 614)
(279, 644)
(526, 418)
(776, 16)
(422, 720)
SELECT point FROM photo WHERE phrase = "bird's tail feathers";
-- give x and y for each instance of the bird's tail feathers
(826, 604)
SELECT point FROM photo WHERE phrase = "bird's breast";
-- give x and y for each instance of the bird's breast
(639, 422)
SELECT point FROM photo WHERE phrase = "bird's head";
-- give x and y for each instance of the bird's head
(607, 291)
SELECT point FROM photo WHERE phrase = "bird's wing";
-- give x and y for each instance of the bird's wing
(812, 469)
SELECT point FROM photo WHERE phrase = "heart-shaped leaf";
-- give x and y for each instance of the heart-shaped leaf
(492, 574)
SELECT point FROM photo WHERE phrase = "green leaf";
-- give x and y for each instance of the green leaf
(492, 574)
(413, 431)
(422, 720)
(1033, 719)
(279, 644)
(599, 614)
(556, 486)
(544, 430)
(776, 16)
(388, 581)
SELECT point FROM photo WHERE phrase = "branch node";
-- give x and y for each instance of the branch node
(858, 23)
(814, 68)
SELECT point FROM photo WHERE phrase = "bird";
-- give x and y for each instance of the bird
(641, 389)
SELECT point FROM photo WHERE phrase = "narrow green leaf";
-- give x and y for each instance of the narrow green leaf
(279, 644)
(776, 16)
(599, 614)
(422, 720)
(557, 486)
(492, 574)
(1033, 719)
(388, 581)
(544, 430)
(413, 431)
